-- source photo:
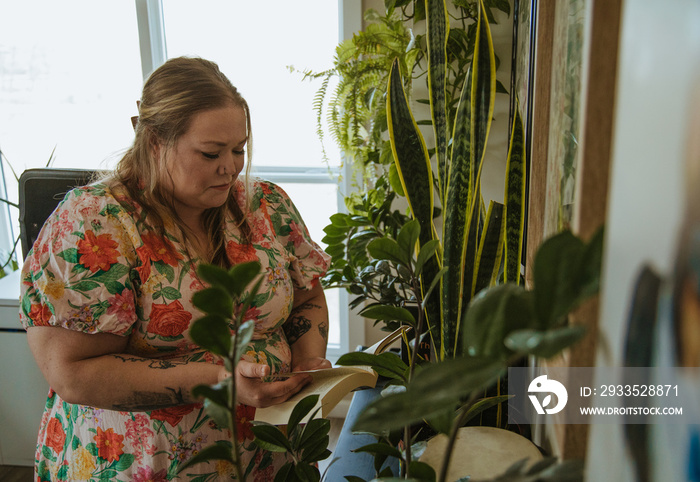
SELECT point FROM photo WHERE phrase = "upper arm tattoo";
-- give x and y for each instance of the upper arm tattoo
(296, 327)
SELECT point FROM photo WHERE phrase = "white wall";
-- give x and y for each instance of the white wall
(659, 64)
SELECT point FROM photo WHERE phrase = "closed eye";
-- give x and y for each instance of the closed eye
(208, 155)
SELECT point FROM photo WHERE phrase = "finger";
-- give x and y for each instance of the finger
(252, 370)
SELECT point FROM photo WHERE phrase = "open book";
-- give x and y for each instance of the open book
(331, 384)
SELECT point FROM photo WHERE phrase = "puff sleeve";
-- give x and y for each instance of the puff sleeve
(308, 262)
(79, 272)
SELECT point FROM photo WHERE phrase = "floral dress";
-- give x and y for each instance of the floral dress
(99, 267)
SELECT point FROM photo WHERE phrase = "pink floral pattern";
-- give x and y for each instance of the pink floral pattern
(97, 267)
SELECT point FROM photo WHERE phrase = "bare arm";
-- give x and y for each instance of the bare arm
(94, 370)
(307, 329)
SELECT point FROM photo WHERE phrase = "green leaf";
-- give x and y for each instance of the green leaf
(218, 393)
(218, 277)
(244, 274)
(212, 333)
(170, 293)
(307, 473)
(214, 301)
(421, 471)
(490, 248)
(544, 344)
(515, 200)
(387, 248)
(408, 237)
(388, 313)
(220, 414)
(410, 154)
(316, 428)
(433, 390)
(219, 451)
(484, 404)
(564, 273)
(437, 22)
(493, 314)
(385, 364)
(426, 252)
(245, 334)
(380, 448)
(301, 410)
(270, 438)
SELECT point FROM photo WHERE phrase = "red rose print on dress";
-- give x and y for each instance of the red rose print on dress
(173, 415)
(169, 319)
(240, 253)
(40, 314)
(110, 445)
(55, 436)
(97, 252)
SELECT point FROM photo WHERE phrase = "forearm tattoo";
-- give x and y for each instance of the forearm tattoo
(152, 363)
(146, 401)
(140, 401)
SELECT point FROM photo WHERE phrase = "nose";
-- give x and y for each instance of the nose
(230, 165)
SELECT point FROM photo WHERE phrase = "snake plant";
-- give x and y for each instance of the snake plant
(475, 242)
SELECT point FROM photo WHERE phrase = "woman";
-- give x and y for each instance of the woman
(107, 292)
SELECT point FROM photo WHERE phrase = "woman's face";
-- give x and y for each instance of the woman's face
(206, 160)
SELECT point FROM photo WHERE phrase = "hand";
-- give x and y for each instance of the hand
(313, 363)
(253, 391)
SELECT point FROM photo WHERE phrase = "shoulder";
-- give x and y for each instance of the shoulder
(95, 200)
(261, 189)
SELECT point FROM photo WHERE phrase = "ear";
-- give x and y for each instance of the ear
(154, 144)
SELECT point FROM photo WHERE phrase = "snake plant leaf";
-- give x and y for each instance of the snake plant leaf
(410, 155)
(492, 315)
(544, 344)
(433, 390)
(438, 25)
(490, 247)
(457, 204)
(484, 404)
(515, 200)
(483, 95)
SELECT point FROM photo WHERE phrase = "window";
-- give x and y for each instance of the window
(67, 86)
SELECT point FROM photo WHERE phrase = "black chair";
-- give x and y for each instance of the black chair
(40, 191)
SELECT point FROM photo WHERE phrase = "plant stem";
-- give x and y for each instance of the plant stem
(233, 404)
(453, 436)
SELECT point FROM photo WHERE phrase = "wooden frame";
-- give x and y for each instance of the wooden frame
(592, 172)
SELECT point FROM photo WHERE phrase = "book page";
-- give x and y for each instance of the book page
(330, 384)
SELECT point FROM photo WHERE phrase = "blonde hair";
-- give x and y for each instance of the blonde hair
(172, 95)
